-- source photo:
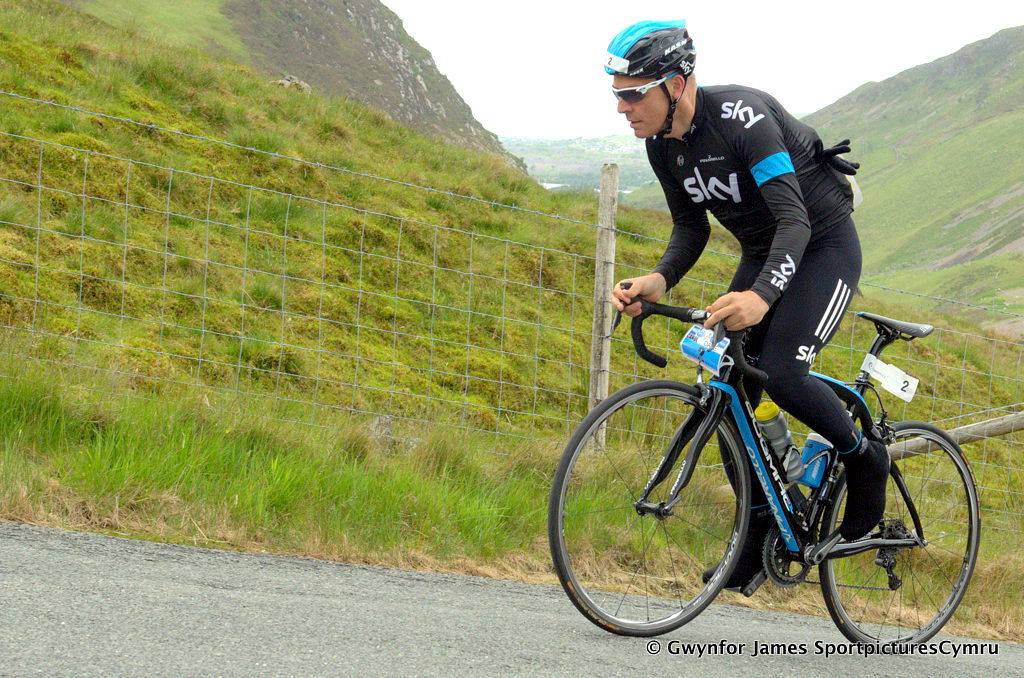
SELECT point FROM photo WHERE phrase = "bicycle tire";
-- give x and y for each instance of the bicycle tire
(634, 574)
(857, 589)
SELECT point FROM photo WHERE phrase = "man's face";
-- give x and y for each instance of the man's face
(646, 112)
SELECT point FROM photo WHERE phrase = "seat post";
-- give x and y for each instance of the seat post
(889, 330)
(883, 339)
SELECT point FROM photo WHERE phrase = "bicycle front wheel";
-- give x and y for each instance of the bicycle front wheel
(906, 595)
(636, 574)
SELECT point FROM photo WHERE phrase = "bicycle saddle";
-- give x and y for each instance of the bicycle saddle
(909, 329)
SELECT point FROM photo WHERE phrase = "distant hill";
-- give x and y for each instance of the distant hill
(943, 173)
(576, 164)
(358, 48)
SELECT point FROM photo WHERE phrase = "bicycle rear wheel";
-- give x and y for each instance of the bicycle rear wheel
(635, 574)
(928, 582)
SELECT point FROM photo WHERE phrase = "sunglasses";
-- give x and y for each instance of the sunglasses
(632, 95)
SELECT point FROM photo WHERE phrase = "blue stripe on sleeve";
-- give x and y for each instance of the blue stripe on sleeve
(771, 167)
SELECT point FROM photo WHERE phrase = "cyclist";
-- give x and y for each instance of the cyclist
(736, 152)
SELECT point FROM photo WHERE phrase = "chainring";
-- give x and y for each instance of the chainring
(778, 564)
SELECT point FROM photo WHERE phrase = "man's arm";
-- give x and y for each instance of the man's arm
(762, 147)
(792, 232)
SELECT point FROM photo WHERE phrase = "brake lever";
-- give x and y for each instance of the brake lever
(720, 332)
(617, 318)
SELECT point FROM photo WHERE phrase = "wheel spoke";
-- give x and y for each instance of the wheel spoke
(580, 514)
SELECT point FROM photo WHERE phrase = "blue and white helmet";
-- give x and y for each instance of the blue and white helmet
(651, 49)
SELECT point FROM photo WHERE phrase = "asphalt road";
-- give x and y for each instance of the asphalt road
(76, 604)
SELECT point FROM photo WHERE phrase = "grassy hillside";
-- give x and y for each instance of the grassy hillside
(942, 176)
(158, 281)
(198, 23)
(283, 240)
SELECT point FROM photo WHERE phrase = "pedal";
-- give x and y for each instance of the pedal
(751, 586)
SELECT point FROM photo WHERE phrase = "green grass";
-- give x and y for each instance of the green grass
(217, 225)
(183, 22)
(178, 470)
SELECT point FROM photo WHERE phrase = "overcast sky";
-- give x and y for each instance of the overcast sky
(534, 68)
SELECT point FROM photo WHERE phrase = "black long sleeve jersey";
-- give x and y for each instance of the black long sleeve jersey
(753, 165)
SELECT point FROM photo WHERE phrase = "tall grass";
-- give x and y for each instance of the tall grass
(178, 470)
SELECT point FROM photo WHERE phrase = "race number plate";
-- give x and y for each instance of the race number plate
(697, 346)
(893, 379)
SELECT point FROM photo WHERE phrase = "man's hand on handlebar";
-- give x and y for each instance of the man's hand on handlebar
(648, 308)
(737, 310)
(650, 287)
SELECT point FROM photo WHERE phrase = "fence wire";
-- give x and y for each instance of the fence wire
(316, 313)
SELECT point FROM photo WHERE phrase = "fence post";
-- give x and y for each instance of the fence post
(604, 274)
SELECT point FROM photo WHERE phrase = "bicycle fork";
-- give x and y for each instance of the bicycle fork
(698, 426)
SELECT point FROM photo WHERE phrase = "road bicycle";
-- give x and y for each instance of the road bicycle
(654, 488)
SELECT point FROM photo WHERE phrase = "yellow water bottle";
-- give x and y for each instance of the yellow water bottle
(773, 428)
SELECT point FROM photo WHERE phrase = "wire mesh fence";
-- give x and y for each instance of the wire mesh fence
(310, 309)
(150, 277)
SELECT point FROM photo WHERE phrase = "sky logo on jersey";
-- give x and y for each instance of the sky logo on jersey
(735, 110)
(782, 274)
(713, 188)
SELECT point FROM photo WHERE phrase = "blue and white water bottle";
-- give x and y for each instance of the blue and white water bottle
(815, 458)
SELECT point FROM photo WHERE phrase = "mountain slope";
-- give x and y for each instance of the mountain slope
(357, 48)
(942, 172)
